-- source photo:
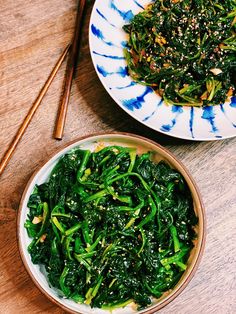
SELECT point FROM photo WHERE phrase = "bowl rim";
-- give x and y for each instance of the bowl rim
(202, 231)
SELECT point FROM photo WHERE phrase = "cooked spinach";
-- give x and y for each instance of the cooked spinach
(112, 227)
(185, 50)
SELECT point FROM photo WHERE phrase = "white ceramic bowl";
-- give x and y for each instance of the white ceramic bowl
(107, 40)
(123, 139)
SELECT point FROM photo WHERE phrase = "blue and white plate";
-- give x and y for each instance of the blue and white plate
(107, 41)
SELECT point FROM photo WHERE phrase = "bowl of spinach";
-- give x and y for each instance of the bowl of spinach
(169, 64)
(112, 222)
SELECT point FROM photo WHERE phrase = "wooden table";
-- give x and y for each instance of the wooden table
(33, 34)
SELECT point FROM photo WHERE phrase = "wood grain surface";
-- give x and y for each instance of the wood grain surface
(33, 34)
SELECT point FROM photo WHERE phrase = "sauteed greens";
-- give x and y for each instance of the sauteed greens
(111, 227)
(185, 50)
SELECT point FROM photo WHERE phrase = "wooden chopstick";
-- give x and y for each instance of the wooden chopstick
(7, 156)
(71, 64)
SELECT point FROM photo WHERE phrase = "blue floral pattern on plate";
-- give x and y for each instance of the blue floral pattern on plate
(107, 41)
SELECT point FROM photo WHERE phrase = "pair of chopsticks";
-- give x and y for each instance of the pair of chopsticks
(73, 50)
